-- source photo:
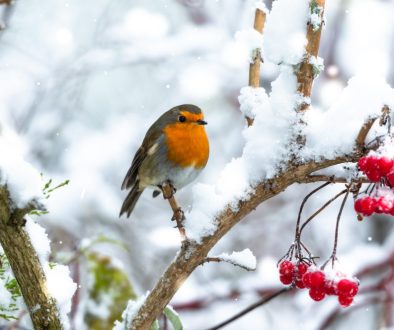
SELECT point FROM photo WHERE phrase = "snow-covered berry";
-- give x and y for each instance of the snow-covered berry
(317, 294)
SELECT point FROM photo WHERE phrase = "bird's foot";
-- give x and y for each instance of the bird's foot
(179, 215)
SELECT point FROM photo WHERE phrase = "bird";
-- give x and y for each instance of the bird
(174, 151)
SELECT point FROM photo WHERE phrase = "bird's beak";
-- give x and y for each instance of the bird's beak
(201, 122)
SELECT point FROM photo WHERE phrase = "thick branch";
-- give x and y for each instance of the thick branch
(192, 254)
(27, 269)
(254, 67)
(331, 178)
(305, 73)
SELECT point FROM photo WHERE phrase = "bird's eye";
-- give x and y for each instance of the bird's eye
(182, 119)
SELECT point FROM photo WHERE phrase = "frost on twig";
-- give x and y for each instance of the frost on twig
(244, 259)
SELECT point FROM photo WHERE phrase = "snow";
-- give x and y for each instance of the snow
(139, 23)
(62, 288)
(252, 100)
(96, 93)
(261, 5)
(128, 314)
(274, 125)
(318, 64)
(250, 40)
(59, 283)
(286, 23)
(244, 258)
(315, 17)
(364, 97)
(22, 180)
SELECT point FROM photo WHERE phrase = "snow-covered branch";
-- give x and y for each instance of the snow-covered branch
(267, 169)
(26, 265)
(25, 243)
(244, 259)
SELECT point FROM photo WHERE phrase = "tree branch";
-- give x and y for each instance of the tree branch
(27, 267)
(305, 73)
(331, 178)
(192, 254)
(254, 67)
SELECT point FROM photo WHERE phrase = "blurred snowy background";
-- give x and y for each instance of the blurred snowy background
(80, 83)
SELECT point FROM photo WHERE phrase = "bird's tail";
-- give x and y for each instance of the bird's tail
(131, 200)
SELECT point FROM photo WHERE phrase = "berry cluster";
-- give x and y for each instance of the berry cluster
(378, 168)
(318, 282)
(382, 203)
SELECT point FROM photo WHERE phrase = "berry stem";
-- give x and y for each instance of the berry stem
(298, 233)
(333, 256)
(321, 209)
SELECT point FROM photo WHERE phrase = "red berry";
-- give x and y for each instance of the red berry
(302, 268)
(385, 165)
(317, 294)
(390, 178)
(345, 301)
(362, 163)
(286, 267)
(286, 279)
(348, 288)
(358, 205)
(330, 288)
(383, 205)
(366, 205)
(317, 279)
(306, 279)
(373, 175)
(299, 284)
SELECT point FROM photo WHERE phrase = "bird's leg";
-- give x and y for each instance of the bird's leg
(168, 193)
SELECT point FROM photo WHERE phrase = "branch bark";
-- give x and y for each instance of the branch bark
(331, 178)
(254, 67)
(305, 73)
(26, 267)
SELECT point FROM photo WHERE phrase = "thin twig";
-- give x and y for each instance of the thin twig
(303, 204)
(333, 256)
(168, 193)
(251, 308)
(232, 262)
(254, 67)
(306, 74)
(321, 209)
(362, 134)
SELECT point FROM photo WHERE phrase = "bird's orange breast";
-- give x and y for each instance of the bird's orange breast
(187, 144)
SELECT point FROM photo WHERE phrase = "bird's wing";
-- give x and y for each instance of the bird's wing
(150, 139)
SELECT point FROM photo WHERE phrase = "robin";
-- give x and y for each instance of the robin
(174, 151)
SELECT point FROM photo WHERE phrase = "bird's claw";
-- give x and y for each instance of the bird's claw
(178, 215)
